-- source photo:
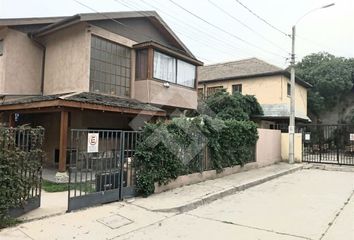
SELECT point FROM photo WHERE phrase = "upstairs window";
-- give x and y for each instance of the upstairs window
(1, 47)
(164, 67)
(289, 89)
(200, 93)
(237, 88)
(110, 67)
(173, 70)
(185, 74)
(141, 64)
(213, 90)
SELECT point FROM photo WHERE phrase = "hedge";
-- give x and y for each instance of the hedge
(170, 149)
(16, 162)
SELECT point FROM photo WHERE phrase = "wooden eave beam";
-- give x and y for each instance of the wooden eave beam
(80, 105)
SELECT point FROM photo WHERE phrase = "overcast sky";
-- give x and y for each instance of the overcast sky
(233, 33)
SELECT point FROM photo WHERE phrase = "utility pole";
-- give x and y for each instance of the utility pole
(292, 100)
(291, 129)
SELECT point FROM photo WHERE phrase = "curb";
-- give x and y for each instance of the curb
(226, 192)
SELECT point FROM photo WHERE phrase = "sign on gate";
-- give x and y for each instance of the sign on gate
(307, 136)
(92, 142)
(351, 136)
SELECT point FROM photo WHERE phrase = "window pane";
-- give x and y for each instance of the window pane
(164, 67)
(237, 88)
(108, 61)
(185, 74)
(213, 90)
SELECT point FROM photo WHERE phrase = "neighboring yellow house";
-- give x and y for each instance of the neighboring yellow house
(268, 83)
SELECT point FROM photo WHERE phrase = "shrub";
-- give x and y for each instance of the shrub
(168, 150)
(16, 162)
(225, 106)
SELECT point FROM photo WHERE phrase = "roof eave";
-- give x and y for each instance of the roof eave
(282, 72)
(168, 50)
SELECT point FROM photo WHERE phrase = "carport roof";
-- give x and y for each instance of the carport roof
(83, 100)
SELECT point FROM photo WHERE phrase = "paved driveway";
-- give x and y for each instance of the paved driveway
(308, 204)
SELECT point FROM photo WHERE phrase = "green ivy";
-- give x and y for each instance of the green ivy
(16, 162)
(171, 149)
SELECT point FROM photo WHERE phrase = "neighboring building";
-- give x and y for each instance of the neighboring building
(268, 83)
(92, 71)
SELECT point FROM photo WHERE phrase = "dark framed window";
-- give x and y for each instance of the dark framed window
(213, 90)
(110, 67)
(237, 88)
(288, 89)
(1, 47)
(200, 93)
(173, 70)
(141, 64)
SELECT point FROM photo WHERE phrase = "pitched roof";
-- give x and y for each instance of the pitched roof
(247, 68)
(54, 23)
(86, 98)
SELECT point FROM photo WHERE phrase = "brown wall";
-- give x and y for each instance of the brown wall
(20, 65)
(151, 91)
(67, 60)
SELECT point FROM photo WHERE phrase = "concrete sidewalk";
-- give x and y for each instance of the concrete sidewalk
(117, 219)
(193, 196)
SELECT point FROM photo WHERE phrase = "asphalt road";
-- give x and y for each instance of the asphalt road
(308, 204)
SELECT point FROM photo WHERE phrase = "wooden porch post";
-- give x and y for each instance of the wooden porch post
(64, 120)
(12, 120)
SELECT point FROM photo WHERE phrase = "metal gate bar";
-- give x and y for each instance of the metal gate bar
(332, 144)
(101, 176)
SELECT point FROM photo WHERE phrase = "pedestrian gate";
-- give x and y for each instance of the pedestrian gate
(101, 166)
(332, 144)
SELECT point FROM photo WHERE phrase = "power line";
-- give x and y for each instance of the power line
(246, 26)
(184, 34)
(262, 19)
(114, 20)
(223, 30)
(132, 7)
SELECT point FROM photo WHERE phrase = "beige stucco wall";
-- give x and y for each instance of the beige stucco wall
(67, 64)
(267, 90)
(268, 147)
(300, 97)
(297, 147)
(20, 65)
(151, 91)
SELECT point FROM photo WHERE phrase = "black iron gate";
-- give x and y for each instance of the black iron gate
(101, 166)
(332, 144)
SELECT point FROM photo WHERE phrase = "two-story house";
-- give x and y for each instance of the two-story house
(268, 83)
(92, 71)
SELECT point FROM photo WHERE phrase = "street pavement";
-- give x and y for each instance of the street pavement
(306, 204)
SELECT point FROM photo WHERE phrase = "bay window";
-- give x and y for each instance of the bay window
(173, 70)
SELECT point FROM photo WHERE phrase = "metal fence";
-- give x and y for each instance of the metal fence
(328, 143)
(104, 174)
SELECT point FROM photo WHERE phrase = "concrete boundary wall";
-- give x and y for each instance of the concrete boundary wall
(285, 147)
(268, 152)
(203, 176)
(268, 147)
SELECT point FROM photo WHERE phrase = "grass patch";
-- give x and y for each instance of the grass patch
(54, 187)
(62, 187)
